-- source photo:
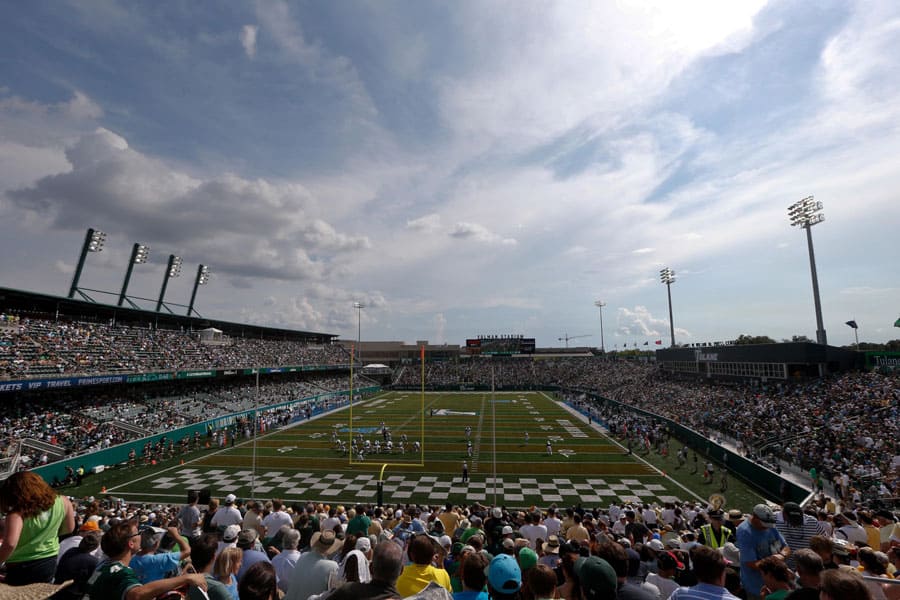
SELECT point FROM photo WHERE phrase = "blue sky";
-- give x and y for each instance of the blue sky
(465, 167)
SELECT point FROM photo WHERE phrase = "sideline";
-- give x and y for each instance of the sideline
(278, 430)
(597, 427)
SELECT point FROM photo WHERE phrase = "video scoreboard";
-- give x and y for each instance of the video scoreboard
(500, 345)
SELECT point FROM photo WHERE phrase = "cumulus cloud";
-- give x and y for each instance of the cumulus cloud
(429, 223)
(479, 233)
(248, 39)
(640, 322)
(244, 228)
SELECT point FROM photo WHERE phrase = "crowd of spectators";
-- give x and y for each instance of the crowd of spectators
(82, 420)
(842, 429)
(33, 347)
(250, 549)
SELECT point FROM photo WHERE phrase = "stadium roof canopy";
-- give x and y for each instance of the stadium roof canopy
(45, 306)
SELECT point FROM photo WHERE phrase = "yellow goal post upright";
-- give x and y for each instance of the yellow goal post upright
(385, 465)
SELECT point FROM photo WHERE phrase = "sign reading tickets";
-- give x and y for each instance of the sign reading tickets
(52, 384)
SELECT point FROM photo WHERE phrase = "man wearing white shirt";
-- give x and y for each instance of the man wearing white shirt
(532, 530)
(286, 560)
(228, 514)
(276, 519)
(552, 523)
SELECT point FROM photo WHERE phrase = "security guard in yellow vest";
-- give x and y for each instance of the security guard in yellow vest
(714, 534)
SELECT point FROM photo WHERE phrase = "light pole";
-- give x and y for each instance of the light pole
(358, 306)
(667, 276)
(173, 269)
(93, 242)
(600, 305)
(805, 214)
(202, 279)
(139, 255)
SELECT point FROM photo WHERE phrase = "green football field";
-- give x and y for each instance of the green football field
(304, 462)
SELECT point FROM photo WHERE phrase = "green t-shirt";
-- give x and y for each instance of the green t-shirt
(111, 581)
(40, 534)
(359, 525)
(216, 590)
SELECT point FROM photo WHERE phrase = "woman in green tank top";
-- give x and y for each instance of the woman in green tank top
(35, 518)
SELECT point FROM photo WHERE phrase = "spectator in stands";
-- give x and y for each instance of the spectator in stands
(504, 577)
(226, 569)
(35, 518)
(228, 515)
(151, 565)
(248, 544)
(777, 578)
(809, 574)
(275, 520)
(714, 534)
(757, 538)
(797, 528)
(840, 584)
(617, 558)
(78, 564)
(252, 519)
(355, 565)
(422, 550)
(259, 583)
(285, 560)
(709, 569)
(598, 579)
(313, 570)
(203, 558)
(387, 563)
(115, 579)
(189, 517)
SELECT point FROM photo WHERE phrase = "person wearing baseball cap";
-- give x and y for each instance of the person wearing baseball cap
(504, 577)
(709, 569)
(667, 564)
(758, 538)
(714, 534)
(797, 528)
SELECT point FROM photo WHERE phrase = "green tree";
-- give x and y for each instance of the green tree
(744, 340)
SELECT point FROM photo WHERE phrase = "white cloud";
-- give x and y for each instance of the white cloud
(248, 39)
(429, 223)
(479, 233)
(241, 227)
(82, 107)
(639, 322)
(643, 251)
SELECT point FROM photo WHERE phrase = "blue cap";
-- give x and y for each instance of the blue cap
(504, 574)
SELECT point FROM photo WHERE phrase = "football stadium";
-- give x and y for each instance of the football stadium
(505, 300)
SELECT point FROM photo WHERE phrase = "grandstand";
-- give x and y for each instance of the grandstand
(88, 383)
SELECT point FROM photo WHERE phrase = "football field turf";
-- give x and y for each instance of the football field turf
(303, 462)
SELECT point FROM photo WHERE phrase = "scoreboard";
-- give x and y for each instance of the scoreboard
(500, 345)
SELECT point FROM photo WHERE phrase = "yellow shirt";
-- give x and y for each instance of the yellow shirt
(414, 578)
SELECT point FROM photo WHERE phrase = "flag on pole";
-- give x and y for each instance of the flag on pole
(658, 342)
(422, 353)
(852, 324)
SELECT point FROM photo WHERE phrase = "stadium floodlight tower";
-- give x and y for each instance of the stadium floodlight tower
(600, 304)
(93, 242)
(139, 255)
(805, 214)
(173, 269)
(667, 276)
(202, 279)
(358, 306)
